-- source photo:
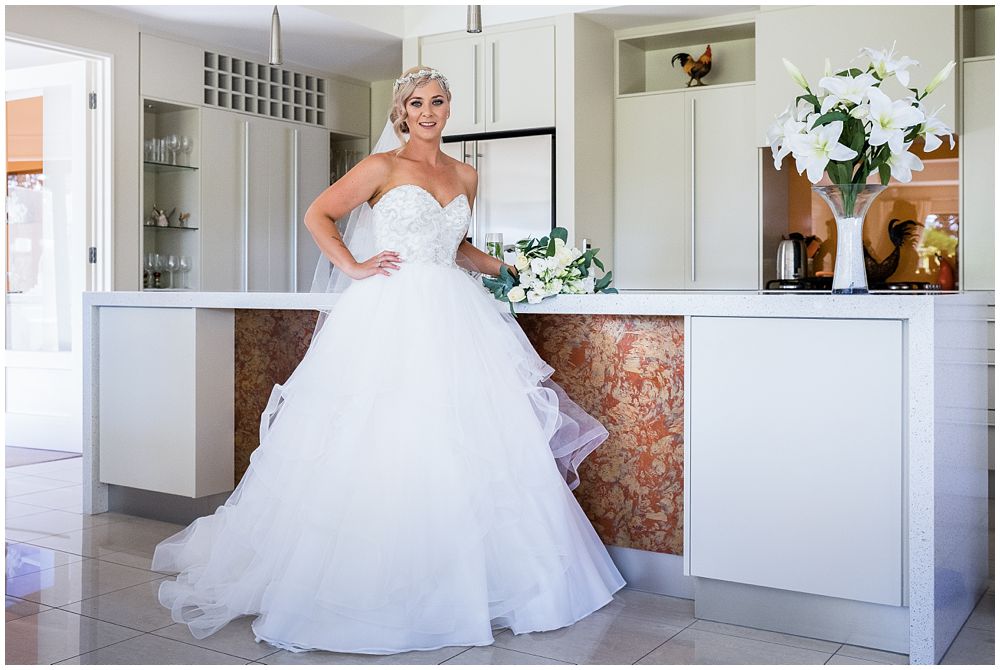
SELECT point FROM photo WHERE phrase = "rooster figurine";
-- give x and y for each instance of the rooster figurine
(695, 69)
(899, 231)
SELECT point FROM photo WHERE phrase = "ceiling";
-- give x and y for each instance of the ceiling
(18, 55)
(364, 41)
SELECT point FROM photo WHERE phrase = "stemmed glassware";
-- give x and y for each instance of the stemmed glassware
(187, 146)
(185, 266)
(172, 144)
(147, 265)
(172, 265)
(157, 263)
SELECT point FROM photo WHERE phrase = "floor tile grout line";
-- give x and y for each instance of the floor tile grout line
(197, 646)
(102, 646)
(783, 644)
(664, 642)
(91, 597)
(550, 658)
(65, 482)
(453, 656)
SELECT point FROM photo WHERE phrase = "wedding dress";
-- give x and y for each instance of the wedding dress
(421, 501)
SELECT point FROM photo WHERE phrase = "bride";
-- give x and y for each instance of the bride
(412, 487)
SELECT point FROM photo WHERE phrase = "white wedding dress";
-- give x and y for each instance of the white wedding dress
(410, 488)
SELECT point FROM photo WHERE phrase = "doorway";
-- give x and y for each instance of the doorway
(56, 209)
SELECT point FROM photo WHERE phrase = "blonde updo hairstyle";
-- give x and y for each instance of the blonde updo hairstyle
(404, 88)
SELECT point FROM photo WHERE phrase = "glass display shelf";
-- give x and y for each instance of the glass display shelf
(146, 225)
(154, 166)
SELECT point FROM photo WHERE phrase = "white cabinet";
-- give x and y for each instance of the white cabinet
(259, 176)
(686, 191)
(650, 172)
(795, 490)
(978, 155)
(222, 172)
(499, 81)
(461, 61)
(809, 34)
(170, 70)
(165, 397)
(348, 107)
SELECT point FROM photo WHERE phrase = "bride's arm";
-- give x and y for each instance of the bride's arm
(483, 262)
(335, 202)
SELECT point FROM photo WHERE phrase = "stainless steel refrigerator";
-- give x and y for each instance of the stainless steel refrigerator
(516, 195)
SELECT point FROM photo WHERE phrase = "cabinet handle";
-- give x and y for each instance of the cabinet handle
(295, 211)
(475, 83)
(493, 82)
(246, 205)
(693, 193)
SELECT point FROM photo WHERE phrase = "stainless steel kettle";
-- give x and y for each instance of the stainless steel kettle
(792, 257)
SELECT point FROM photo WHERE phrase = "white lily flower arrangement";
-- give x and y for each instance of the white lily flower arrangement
(848, 128)
(547, 267)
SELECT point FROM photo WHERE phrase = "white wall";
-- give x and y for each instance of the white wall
(99, 34)
(423, 20)
(381, 99)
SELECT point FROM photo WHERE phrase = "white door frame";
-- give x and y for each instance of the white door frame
(61, 431)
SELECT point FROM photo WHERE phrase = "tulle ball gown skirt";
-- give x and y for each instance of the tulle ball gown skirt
(410, 490)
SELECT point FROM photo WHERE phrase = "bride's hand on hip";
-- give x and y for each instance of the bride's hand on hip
(379, 264)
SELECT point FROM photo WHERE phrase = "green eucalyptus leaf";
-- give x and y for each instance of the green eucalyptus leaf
(884, 173)
(560, 233)
(599, 264)
(829, 117)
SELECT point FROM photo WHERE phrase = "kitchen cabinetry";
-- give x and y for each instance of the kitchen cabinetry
(262, 174)
(686, 190)
(500, 80)
(166, 399)
(807, 35)
(170, 70)
(978, 159)
(780, 493)
(171, 183)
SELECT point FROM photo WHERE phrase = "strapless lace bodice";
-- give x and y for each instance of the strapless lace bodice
(409, 220)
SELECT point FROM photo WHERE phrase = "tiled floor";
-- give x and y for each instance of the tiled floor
(80, 591)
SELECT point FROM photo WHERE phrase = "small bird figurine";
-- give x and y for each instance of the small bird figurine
(899, 231)
(695, 69)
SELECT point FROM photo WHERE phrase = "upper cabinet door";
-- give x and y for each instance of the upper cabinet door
(722, 235)
(520, 79)
(313, 176)
(348, 107)
(978, 174)
(808, 35)
(171, 70)
(461, 61)
(651, 176)
(223, 146)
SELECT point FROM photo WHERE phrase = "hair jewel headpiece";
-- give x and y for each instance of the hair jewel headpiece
(425, 73)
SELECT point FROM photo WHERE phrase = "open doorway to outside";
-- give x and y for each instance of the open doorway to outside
(57, 209)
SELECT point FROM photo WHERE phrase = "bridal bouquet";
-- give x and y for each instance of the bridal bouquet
(547, 267)
(848, 128)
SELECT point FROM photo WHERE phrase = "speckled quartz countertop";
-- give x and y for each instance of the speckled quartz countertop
(887, 305)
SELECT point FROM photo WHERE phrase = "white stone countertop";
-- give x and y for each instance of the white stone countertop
(875, 305)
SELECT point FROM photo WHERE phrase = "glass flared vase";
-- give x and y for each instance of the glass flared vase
(850, 203)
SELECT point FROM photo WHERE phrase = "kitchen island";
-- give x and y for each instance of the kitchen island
(812, 464)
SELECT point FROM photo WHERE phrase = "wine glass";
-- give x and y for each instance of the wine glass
(157, 267)
(185, 265)
(187, 146)
(147, 265)
(172, 144)
(149, 149)
(172, 264)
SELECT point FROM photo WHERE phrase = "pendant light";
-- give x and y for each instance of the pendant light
(474, 19)
(275, 58)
